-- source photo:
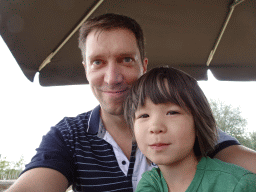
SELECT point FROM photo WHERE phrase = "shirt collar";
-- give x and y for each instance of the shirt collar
(94, 120)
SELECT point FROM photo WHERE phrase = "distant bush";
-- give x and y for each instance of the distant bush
(10, 170)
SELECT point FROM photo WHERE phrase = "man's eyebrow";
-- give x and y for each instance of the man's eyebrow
(94, 56)
(127, 54)
(124, 54)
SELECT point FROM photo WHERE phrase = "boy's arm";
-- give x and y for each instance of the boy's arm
(239, 155)
(40, 179)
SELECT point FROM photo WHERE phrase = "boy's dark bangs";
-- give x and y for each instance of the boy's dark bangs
(159, 89)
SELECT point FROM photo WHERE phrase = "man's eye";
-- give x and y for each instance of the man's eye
(172, 112)
(127, 59)
(143, 116)
(97, 62)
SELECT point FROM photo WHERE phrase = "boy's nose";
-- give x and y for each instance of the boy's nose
(158, 127)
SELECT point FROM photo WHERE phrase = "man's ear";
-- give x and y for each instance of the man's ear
(145, 65)
(84, 65)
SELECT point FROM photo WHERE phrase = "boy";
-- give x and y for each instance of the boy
(175, 129)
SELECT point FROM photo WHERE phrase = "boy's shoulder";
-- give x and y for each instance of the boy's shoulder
(221, 167)
(154, 172)
(218, 175)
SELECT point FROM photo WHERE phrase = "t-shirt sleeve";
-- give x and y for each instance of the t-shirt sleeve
(145, 185)
(152, 181)
(224, 141)
(223, 137)
(54, 153)
(247, 183)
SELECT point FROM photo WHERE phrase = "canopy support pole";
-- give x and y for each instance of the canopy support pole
(48, 59)
(232, 7)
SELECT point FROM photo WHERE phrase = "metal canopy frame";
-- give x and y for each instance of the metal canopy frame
(48, 59)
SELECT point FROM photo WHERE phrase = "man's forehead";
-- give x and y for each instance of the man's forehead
(122, 43)
(98, 31)
(116, 32)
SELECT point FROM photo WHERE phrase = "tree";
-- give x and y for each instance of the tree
(253, 139)
(230, 120)
(9, 169)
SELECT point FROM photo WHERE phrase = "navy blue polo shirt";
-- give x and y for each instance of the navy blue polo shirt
(73, 148)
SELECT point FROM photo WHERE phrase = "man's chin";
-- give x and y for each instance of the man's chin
(113, 110)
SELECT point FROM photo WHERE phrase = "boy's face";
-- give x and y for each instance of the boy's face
(165, 133)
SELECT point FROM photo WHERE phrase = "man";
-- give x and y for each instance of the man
(94, 151)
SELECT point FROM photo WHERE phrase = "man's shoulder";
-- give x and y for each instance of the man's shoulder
(80, 119)
(80, 122)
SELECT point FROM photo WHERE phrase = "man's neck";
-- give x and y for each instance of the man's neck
(179, 176)
(119, 130)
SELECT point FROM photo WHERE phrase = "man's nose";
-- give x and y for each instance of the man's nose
(113, 74)
(157, 126)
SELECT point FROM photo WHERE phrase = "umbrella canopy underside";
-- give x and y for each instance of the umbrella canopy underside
(179, 33)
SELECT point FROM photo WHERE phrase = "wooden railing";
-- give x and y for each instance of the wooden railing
(5, 184)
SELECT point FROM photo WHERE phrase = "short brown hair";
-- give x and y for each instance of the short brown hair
(108, 22)
(182, 90)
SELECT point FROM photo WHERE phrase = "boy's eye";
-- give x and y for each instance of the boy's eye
(172, 112)
(143, 116)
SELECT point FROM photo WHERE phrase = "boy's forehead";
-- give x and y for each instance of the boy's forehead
(146, 104)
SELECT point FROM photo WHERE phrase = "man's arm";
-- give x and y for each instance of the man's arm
(239, 155)
(40, 179)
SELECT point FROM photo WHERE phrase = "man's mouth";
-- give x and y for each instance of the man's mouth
(116, 93)
(121, 91)
(113, 92)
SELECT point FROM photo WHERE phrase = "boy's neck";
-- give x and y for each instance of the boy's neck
(179, 175)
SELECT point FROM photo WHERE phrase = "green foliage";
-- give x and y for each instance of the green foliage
(10, 170)
(253, 139)
(230, 120)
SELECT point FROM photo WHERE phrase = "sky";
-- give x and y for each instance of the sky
(28, 110)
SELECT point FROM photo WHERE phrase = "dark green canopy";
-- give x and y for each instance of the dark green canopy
(192, 35)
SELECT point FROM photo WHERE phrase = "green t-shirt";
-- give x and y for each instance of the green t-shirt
(211, 175)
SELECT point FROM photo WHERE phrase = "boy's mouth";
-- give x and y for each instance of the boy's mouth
(159, 146)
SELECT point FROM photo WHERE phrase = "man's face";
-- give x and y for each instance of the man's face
(112, 64)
